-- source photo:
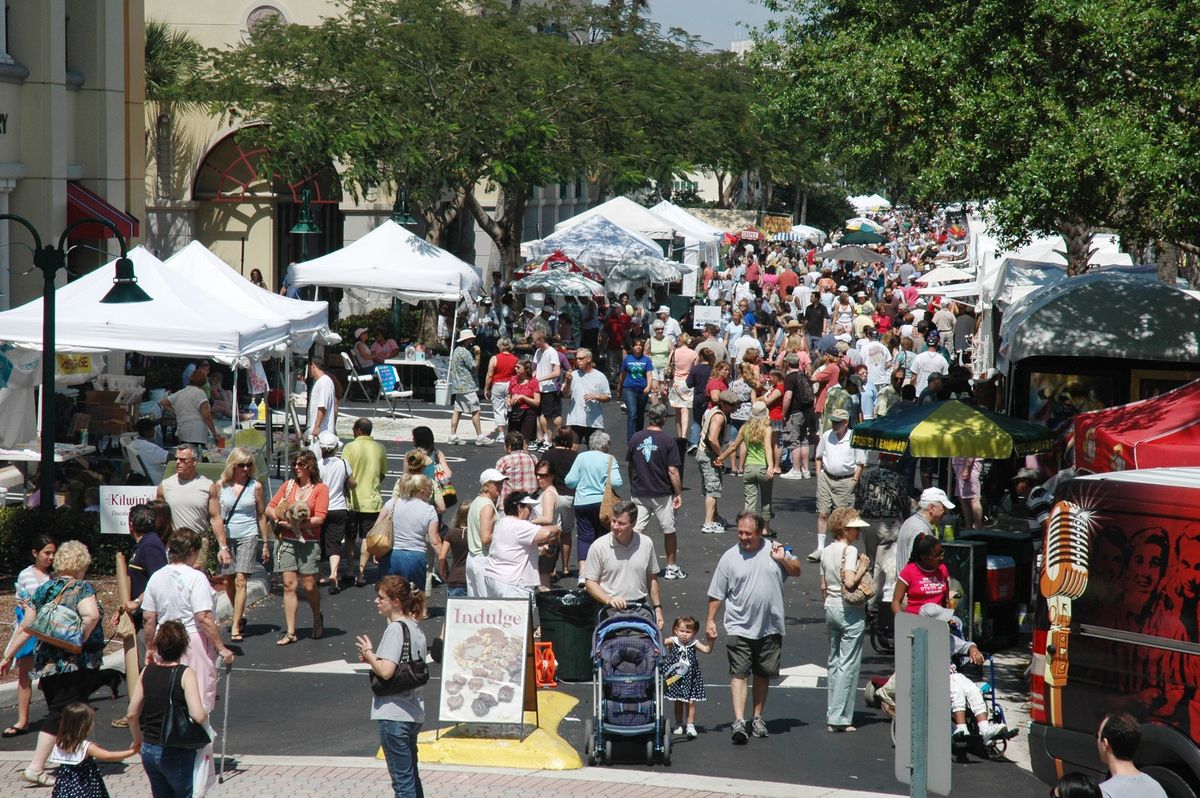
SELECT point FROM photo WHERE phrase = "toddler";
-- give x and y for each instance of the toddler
(685, 682)
(78, 775)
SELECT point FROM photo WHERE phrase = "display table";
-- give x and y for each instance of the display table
(33, 453)
(420, 376)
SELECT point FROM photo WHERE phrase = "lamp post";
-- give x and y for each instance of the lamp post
(305, 227)
(49, 260)
(400, 212)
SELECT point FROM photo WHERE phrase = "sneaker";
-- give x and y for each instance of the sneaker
(692, 734)
(739, 735)
(678, 730)
(758, 728)
(793, 474)
(960, 732)
(991, 731)
(692, 449)
(806, 474)
(454, 440)
(581, 581)
(674, 572)
(713, 529)
(483, 440)
(814, 555)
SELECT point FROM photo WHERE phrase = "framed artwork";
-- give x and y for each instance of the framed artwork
(1148, 383)
(1056, 398)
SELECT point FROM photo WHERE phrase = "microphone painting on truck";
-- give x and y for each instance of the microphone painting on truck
(1118, 623)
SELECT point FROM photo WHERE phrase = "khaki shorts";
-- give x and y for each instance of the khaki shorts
(659, 507)
(302, 558)
(833, 493)
(760, 657)
(467, 403)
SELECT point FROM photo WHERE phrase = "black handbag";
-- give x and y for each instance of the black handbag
(178, 729)
(410, 674)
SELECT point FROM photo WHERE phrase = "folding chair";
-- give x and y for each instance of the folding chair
(391, 389)
(354, 378)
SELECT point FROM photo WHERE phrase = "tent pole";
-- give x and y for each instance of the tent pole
(453, 341)
(234, 409)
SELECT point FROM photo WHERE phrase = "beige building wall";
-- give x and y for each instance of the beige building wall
(69, 110)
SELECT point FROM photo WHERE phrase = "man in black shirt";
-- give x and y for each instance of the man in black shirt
(149, 554)
(816, 319)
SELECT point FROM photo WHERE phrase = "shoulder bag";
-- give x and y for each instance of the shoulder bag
(178, 729)
(861, 594)
(289, 491)
(410, 674)
(379, 539)
(59, 624)
(609, 501)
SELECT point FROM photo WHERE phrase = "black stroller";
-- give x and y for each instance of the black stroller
(627, 689)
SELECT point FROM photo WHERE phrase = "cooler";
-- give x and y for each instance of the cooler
(1001, 578)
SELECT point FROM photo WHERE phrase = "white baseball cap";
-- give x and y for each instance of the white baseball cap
(937, 612)
(491, 475)
(932, 495)
(328, 441)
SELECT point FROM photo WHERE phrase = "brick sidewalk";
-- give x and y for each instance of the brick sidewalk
(314, 777)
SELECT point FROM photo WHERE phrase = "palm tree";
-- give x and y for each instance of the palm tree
(172, 59)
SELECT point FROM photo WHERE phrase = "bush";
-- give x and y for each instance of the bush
(20, 525)
(345, 327)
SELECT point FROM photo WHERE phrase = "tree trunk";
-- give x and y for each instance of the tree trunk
(505, 229)
(440, 217)
(804, 209)
(1167, 258)
(1078, 237)
(768, 191)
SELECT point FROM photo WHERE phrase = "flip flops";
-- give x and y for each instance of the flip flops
(15, 731)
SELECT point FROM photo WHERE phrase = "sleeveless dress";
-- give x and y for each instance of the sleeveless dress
(78, 775)
(682, 661)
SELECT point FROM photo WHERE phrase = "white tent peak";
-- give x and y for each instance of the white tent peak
(626, 213)
(392, 260)
(596, 242)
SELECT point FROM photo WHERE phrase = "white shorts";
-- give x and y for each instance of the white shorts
(500, 403)
(476, 587)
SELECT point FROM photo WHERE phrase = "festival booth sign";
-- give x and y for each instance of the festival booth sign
(115, 503)
(773, 223)
(951, 428)
(1160, 432)
(487, 670)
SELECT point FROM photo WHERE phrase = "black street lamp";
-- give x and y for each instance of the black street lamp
(306, 226)
(49, 260)
(400, 213)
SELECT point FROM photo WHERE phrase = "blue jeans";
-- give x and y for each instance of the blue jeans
(694, 429)
(635, 409)
(169, 770)
(399, 741)
(409, 564)
(456, 592)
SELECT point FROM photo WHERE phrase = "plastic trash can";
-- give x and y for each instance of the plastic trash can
(568, 620)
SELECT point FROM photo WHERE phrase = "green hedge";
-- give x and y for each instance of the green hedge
(20, 525)
(345, 326)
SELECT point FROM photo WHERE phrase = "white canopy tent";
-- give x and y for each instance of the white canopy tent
(391, 260)
(306, 321)
(867, 203)
(180, 320)
(945, 274)
(701, 241)
(626, 213)
(596, 242)
(1075, 318)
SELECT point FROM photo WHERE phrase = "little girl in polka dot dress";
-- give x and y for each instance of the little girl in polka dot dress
(685, 682)
(78, 776)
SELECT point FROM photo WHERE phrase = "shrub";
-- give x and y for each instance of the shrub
(19, 525)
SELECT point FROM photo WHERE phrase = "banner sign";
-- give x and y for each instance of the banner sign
(776, 223)
(115, 503)
(705, 314)
(484, 670)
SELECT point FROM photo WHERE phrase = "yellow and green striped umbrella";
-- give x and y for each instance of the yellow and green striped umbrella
(951, 428)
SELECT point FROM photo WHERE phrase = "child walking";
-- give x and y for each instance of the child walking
(685, 682)
(78, 775)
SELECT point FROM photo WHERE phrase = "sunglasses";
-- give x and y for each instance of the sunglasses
(541, 474)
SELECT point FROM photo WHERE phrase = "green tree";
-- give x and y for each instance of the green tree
(172, 60)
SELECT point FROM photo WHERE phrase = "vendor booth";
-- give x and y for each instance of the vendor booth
(626, 213)
(1094, 341)
(596, 242)
(1158, 432)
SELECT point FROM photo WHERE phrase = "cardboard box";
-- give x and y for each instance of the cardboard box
(111, 427)
(100, 397)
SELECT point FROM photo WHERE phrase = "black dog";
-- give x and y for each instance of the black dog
(110, 678)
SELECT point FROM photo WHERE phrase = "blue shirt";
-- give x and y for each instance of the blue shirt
(748, 319)
(635, 371)
(588, 474)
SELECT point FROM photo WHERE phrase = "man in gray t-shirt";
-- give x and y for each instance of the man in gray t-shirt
(622, 567)
(1117, 743)
(749, 579)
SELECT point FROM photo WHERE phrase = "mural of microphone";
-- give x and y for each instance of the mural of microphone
(1065, 563)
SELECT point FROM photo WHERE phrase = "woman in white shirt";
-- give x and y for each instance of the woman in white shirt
(193, 416)
(842, 569)
(511, 570)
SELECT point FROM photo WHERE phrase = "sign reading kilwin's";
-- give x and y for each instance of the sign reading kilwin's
(486, 673)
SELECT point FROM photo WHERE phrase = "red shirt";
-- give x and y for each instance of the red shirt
(883, 322)
(924, 586)
(506, 363)
(714, 384)
(775, 407)
(787, 281)
(527, 388)
(827, 375)
(752, 272)
(617, 326)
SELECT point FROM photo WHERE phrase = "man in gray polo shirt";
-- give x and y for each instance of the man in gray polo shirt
(622, 567)
(749, 579)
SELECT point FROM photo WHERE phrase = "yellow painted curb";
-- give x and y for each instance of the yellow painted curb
(543, 749)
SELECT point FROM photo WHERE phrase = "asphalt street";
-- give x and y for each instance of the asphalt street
(309, 699)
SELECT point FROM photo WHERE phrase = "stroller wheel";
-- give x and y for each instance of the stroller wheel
(997, 747)
(608, 752)
(650, 753)
(589, 740)
(666, 750)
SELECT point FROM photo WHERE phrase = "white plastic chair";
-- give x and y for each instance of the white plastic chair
(354, 378)
(391, 389)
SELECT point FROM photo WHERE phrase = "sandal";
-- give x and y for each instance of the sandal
(16, 731)
(318, 628)
(235, 634)
(360, 582)
(287, 639)
(334, 589)
(41, 778)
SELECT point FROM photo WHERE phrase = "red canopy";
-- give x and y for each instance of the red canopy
(557, 260)
(1153, 433)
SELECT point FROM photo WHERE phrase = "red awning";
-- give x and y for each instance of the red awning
(84, 204)
(1153, 433)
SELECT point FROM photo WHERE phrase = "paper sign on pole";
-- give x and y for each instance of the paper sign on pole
(484, 669)
(115, 503)
(705, 314)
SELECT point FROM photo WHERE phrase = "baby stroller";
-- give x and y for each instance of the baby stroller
(627, 689)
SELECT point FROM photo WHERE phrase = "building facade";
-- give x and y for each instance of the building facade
(72, 135)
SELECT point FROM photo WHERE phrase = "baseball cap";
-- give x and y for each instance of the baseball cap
(1026, 473)
(729, 398)
(933, 338)
(843, 289)
(359, 331)
(840, 415)
(530, 501)
(937, 612)
(491, 475)
(931, 495)
(663, 309)
(328, 440)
